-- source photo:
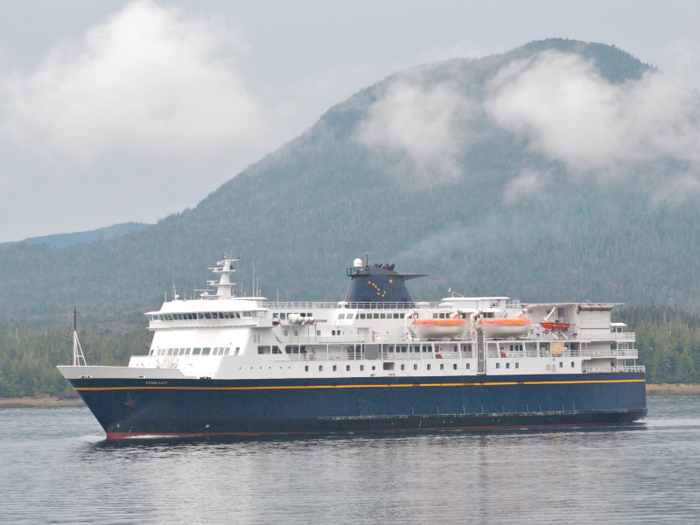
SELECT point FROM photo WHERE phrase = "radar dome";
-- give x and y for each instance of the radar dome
(357, 263)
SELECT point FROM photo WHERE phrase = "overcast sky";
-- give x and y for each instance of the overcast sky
(117, 111)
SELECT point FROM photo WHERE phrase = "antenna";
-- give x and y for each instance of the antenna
(78, 357)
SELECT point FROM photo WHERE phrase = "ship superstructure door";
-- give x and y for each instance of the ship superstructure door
(481, 351)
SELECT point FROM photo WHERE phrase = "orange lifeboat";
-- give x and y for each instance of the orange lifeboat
(437, 328)
(551, 325)
(502, 328)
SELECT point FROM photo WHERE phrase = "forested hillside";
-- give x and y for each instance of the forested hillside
(462, 195)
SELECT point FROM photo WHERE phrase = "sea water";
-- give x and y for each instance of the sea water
(55, 467)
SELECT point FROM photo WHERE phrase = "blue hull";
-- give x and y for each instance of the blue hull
(138, 407)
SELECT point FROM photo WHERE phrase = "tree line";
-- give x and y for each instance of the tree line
(668, 340)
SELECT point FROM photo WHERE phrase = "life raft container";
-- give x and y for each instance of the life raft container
(503, 328)
(437, 328)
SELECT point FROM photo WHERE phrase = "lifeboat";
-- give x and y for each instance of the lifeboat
(503, 328)
(437, 328)
(551, 325)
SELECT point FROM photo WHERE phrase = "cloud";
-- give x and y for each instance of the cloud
(525, 184)
(419, 125)
(565, 109)
(147, 82)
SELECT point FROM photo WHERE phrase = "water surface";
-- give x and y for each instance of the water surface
(55, 467)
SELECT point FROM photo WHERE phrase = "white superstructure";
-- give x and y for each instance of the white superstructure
(221, 336)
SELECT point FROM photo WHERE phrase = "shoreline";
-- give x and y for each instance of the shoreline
(39, 402)
(668, 389)
(665, 389)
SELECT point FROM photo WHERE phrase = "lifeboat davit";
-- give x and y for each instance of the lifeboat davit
(438, 328)
(503, 328)
(551, 325)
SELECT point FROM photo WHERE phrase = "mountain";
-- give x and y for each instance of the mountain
(561, 170)
(62, 240)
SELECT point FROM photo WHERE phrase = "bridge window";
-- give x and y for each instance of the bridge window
(170, 351)
(196, 351)
(341, 316)
(206, 351)
(228, 349)
(350, 316)
(362, 316)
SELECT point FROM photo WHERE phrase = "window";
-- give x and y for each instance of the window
(296, 332)
(275, 315)
(182, 351)
(238, 349)
(347, 368)
(498, 365)
(376, 316)
(415, 367)
(428, 367)
(335, 368)
(263, 349)
(401, 316)
(507, 365)
(228, 349)
(403, 367)
(517, 365)
(468, 366)
(442, 316)
(572, 364)
(350, 316)
(442, 366)
(206, 351)
(207, 315)
(283, 316)
(382, 316)
(170, 351)
(435, 316)
(454, 367)
(306, 368)
(362, 316)
(285, 333)
(214, 315)
(396, 316)
(362, 368)
(320, 368)
(196, 351)
(341, 316)
(561, 364)
(276, 350)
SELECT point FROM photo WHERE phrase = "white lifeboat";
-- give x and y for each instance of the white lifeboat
(438, 328)
(504, 328)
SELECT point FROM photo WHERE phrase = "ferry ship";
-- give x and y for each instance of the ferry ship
(222, 364)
